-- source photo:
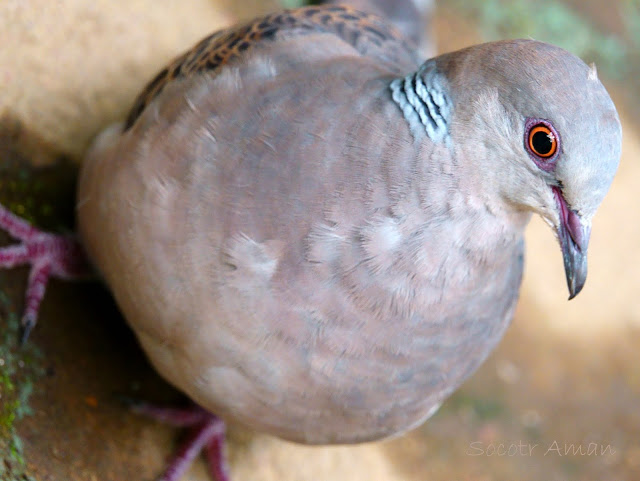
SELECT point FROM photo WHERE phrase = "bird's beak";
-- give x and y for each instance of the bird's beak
(573, 234)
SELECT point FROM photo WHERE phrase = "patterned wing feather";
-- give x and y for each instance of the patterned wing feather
(368, 34)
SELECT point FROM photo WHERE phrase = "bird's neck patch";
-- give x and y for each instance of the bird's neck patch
(422, 96)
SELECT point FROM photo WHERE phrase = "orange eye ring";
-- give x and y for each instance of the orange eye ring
(542, 141)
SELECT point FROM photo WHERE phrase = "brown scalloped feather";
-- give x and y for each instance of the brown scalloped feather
(368, 34)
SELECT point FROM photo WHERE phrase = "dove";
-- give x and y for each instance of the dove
(317, 235)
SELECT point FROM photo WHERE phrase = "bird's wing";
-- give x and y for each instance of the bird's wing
(368, 34)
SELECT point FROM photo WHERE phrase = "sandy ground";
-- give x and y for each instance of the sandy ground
(566, 377)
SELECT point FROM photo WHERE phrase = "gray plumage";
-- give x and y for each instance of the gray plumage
(295, 254)
(412, 17)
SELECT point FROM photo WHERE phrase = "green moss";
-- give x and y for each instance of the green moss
(631, 16)
(483, 409)
(293, 3)
(549, 21)
(20, 367)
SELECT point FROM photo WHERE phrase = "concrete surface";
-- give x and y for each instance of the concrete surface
(567, 373)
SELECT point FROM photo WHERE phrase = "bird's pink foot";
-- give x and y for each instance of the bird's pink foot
(207, 435)
(50, 255)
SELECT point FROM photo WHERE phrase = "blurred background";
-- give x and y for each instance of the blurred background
(558, 400)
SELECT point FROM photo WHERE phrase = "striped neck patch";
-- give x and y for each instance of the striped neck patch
(422, 97)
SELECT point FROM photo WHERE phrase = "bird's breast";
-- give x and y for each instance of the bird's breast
(344, 338)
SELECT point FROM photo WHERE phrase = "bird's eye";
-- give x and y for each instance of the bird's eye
(542, 141)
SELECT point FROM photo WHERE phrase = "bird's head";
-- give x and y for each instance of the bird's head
(545, 130)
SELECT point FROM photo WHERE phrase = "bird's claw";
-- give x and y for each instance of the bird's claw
(26, 326)
(50, 255)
